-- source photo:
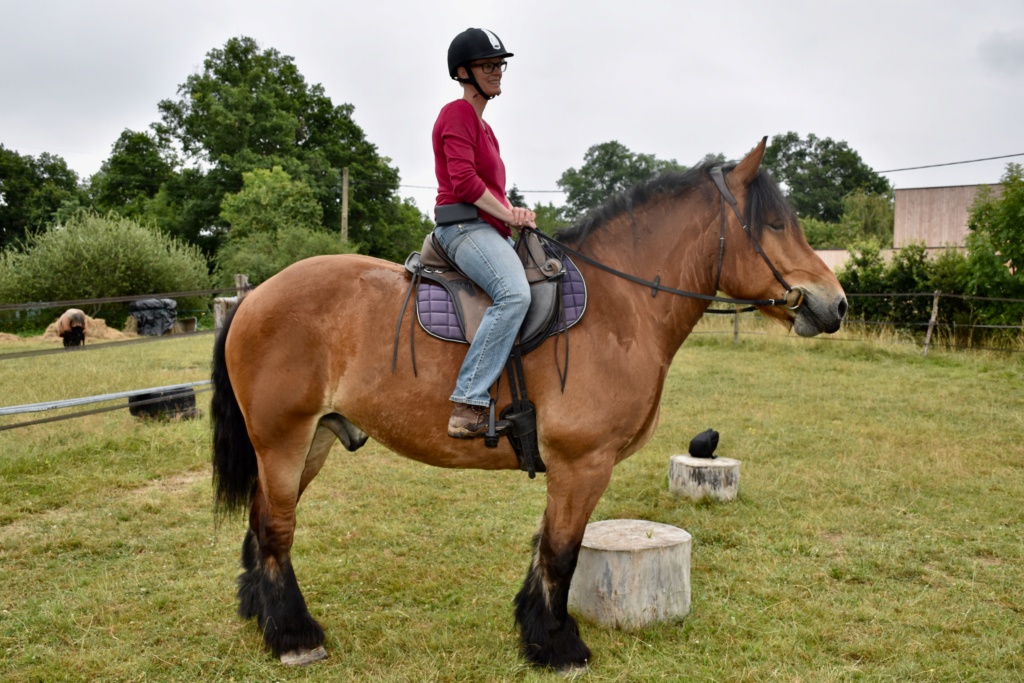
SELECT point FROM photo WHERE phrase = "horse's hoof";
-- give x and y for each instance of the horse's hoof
(303, 657)
(574, 672)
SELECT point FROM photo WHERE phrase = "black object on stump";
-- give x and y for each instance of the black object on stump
(704, 444)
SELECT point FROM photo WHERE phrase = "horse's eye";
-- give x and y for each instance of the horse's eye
(776, 226)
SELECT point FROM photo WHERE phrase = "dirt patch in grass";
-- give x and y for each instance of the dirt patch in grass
(175, 484)
(57, 517)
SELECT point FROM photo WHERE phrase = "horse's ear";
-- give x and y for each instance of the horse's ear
(746, 170)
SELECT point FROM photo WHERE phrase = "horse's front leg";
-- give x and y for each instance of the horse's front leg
(549, 635)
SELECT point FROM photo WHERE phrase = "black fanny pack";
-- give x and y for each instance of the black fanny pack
(446, 214)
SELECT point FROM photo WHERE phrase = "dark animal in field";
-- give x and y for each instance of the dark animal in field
(71, 327)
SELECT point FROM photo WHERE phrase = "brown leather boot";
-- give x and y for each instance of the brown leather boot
(469, 422)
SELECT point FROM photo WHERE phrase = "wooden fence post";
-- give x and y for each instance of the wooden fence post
(223, 304)
(344, 205)
(242, 285)
(931, 323)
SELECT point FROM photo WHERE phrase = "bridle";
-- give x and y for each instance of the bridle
(791, 293)
(723, 190)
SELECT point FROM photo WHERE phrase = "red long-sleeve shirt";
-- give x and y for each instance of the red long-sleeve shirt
(467, 159)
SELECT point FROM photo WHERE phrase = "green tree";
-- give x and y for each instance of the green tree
(398, 231)
(270, 200)
(865, 217)
(515, 198)
(262, 254)
(251, 108)
(910, 272)
(275, 221)
(132, 176)
(995, 247)
(33, 191)
(1002, 219)
(825, 235)
(818, 173)
(608, 169)
(549, 217)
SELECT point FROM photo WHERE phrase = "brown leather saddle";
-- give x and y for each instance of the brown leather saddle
(449, 305)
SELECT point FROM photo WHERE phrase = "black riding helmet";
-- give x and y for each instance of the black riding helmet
(469, 46)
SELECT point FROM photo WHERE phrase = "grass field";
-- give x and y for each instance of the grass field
(877, 536)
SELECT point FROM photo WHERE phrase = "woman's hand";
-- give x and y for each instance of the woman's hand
(521, 217)
(512, 216)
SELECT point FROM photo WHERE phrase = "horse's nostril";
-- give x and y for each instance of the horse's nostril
(842, 307)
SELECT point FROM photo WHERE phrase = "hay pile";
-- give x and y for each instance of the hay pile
(95, 329)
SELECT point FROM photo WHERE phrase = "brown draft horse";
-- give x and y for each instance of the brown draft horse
(306, 359)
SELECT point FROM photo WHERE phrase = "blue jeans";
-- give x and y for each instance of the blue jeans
(491, 262)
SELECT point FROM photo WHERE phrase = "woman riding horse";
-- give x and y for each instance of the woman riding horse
(471, 175)
(292, 373)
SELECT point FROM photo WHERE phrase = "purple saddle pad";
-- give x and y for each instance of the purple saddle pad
(436, 312)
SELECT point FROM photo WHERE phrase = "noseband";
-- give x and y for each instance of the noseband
(727, 197)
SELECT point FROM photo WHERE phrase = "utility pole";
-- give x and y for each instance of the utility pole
(344, 204)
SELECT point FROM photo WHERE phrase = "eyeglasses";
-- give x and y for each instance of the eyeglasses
(489, 67)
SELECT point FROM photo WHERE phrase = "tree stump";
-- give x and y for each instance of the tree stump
(632, 573)
(698, 478)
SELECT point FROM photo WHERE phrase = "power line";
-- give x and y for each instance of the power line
(951, 163)
(891, 170)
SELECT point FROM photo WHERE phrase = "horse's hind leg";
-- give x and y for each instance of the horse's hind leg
(549, 635)
(267, 587)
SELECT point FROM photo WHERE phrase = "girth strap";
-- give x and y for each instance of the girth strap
(413, 283)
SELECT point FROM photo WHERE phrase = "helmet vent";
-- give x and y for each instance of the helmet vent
(495, 43)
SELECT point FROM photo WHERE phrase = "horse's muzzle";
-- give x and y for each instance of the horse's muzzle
(813, 315)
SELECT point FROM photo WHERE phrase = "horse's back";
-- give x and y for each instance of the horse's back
(319, 338)
(304, 325)
(310, 281)
(317, 292)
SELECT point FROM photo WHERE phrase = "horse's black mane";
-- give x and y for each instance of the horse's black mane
(765, 202)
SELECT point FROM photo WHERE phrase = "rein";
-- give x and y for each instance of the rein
(655, 285)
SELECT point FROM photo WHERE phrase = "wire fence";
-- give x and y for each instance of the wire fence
(939, 329)
(930, 333)
(32, 316)
(137, 398)
(158, 400)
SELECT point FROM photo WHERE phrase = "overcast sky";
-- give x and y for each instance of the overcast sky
(904, 83)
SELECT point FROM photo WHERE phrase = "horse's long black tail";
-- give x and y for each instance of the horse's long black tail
(234, 459)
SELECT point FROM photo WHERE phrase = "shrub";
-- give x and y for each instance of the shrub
(92, 256)
(949, 272)
(275, 221)
(864, 273)
(910, 272)
(261, 254)
(824, 235)
(995, 246)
